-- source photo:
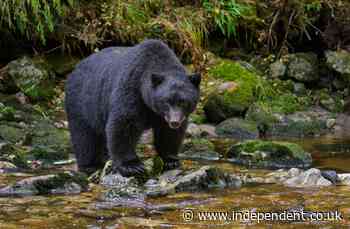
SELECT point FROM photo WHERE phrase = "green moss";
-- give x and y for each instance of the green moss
(197, 118)
(246, 80)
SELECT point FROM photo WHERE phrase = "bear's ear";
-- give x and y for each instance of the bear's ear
(195, 79)
(157, 79)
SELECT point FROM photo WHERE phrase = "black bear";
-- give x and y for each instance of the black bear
(114, 95)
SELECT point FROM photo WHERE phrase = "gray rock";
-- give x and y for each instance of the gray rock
(330, 175)
(238, 129)
(129, 191)
(61, 183)
(309, 178)
(303, 67)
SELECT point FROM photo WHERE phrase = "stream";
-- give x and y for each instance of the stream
(86, 210)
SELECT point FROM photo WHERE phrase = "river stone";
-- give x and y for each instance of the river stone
(199, 149)
(344, 178)
(238, 129)
(131, 191)
(303, 67)
(32, 77)
(269, 154)
(309, 178)
(339, 61)
(194, 180)
(61, 183)
(330, 175)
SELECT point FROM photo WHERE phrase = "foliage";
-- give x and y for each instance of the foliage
(225, 14)
(32, 18)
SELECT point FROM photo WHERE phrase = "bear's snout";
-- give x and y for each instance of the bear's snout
(174, 118)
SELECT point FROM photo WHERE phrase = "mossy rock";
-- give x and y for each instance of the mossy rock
(33, 78)
(339, 61)
(61, 64)
(269, 154)
(48, 142)
(238, 129)
(233, 101)
(303, 67)
(12, 132)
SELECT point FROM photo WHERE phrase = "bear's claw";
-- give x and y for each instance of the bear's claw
(171, 164)
(129, 169)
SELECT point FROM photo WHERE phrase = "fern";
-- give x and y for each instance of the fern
(32, 18)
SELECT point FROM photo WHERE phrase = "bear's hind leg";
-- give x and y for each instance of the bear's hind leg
(168, 142)
(87, 147)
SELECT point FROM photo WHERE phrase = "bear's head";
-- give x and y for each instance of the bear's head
(172, 97)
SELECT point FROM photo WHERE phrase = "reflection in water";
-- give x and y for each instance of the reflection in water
(80, 211)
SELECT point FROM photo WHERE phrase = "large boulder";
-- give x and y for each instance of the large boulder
(269, 154)
(339, 61)
(233, 97)
(199, 149)
(33, 78)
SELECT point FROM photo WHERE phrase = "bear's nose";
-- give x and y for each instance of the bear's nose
(174, 124)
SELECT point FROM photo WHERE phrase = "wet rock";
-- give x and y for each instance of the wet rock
(238, 129)
(330, 175)
(199, 149)
(6, 166)
(309, 178)
(339, 61)
(269, 154)
(129, 190)
(61, 183)
(277, 70)
(303, 67)
(203, 178)
(330, 123)
(344, 178)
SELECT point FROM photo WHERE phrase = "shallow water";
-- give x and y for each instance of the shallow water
(86, 211)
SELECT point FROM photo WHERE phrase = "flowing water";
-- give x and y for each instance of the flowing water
(84, 210)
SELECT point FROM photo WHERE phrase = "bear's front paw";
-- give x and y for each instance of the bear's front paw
(131, 168)
(171, 164)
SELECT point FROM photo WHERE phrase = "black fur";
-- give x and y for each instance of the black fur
(114, 95)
